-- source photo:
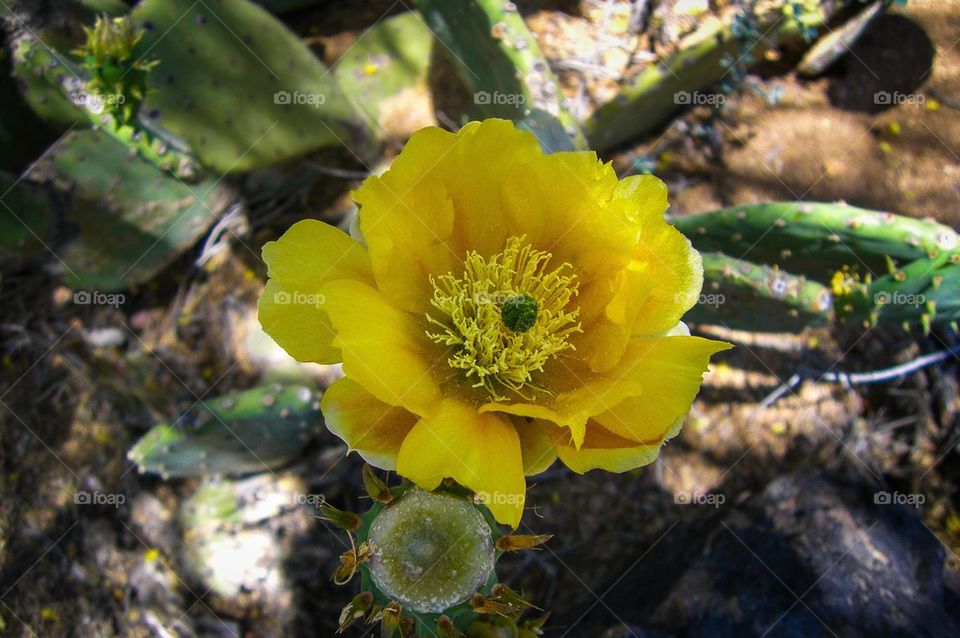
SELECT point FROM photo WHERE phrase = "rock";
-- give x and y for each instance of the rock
(810, 556)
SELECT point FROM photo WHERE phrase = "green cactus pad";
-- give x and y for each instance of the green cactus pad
(746, 296)
(817, 239)
(26, 216)
(237, 86)
(704, 58)
(250, 431)
(498, 59)
(133, 217)
(923, 292)
(548, 130)
(384, 66)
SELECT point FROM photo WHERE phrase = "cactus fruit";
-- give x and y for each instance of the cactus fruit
(747, 296)
(817, 239)
(117, 71)
(385, 71)
(239, 87)
(426, 562)
(498, 59)
(133, 218)
(249, 431)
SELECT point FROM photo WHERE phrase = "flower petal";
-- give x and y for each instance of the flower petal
(602, 449)
(536, 444)
(291, 308)
(662, 373)
(669, 370)
(367, 425)
(435, 204)
(665, 275)
(384, 349)
(479, 451)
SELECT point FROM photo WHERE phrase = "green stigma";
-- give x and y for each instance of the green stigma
(519, 313)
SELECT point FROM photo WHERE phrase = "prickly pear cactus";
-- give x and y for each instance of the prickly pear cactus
(133, 217)
(817, 239)
(384, 72)
(498, 59)
(923, 292)
(118, 73)
(249, 431)
(427, 564)
(747, 296)
(67, 91)
(26, 216)
(703, 58)
(238, 87)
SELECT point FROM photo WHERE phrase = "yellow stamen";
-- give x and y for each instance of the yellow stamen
(489, 347)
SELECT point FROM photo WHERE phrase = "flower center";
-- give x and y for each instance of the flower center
(506, 316)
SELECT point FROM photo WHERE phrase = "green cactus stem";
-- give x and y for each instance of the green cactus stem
(748, 296)
(132, 218)
(704, 58)
(71, 84)
(239, 88)
(239, 433)
(427, 565)
(498, 59)
(817, 239)
(27, 217)
(384, 72)
(921, 293)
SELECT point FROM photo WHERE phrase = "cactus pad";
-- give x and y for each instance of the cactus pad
(237, 85)
(133, 217)
(239, 433)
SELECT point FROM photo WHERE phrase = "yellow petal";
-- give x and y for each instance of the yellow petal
(669, 370)
(302, 329)
(291, 308)
(436, 203)
(604, 450)
(368, 426)
(384, 349)
(665, 275)
(407, 245)
(637, 376)
(536, 445)
(479, 451)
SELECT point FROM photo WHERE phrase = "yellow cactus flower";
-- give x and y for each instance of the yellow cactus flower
(497, 308)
